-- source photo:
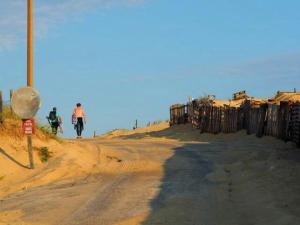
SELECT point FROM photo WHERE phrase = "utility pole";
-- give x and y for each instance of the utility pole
(30, 68)
(29, 44)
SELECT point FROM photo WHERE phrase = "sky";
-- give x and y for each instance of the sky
(131, 59)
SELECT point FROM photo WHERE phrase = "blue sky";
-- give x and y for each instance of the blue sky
(131, 59)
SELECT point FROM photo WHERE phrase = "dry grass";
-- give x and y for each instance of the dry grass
(12, 127)
(9, 114)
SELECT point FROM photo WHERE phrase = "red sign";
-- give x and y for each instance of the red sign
(28, 126)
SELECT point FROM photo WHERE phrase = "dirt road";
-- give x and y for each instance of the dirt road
(171, 178)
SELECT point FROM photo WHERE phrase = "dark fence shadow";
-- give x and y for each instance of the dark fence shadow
(12, 159)
(179, 132)
(187, 196)
(182, 132)
(184, 188)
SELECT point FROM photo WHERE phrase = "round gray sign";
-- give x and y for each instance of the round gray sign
(25, 102)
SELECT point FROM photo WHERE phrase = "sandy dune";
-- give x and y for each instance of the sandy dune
(156, 175)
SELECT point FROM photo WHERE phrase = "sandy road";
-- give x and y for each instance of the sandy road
(224, 180)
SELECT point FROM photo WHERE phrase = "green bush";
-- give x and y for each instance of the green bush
(44, 154)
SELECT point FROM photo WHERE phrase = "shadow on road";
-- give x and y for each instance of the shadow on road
(12, 159)
(187, 196)
(184, 188)
(178, 132)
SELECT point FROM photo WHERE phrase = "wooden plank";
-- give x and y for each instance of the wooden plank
(294, 125)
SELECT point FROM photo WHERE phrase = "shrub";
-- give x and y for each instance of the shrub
(44, 154)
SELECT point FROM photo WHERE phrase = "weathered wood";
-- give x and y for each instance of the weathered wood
(11, 92)
(294, 125)
(266, 119)
(261, 120)
(272, 120)
(178, 114)
(284, 118)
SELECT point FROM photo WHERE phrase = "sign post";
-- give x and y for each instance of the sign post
(25, 103)
(29, 130)
(30, 154)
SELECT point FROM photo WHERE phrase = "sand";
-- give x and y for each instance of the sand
(153, 175)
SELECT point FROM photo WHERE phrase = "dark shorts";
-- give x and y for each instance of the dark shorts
(55, 125)
(79, 126)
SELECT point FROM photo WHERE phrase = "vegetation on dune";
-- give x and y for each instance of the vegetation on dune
(44, 154)
(9, 114)
(47, 131)
(12, 126)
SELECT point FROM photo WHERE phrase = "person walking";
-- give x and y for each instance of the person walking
(78, 119)
(54, 120)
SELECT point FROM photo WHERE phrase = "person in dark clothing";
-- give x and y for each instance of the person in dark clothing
(78, 118)
(54, 120)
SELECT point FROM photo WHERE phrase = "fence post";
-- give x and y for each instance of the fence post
(261, 120)
(1, 107)
(10, 97)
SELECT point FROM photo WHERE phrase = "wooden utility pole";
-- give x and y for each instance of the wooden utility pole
(30, 68)
(29, 44)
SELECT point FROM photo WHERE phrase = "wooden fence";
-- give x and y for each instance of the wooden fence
(178, 114)
(295, 124)
(280, 121)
